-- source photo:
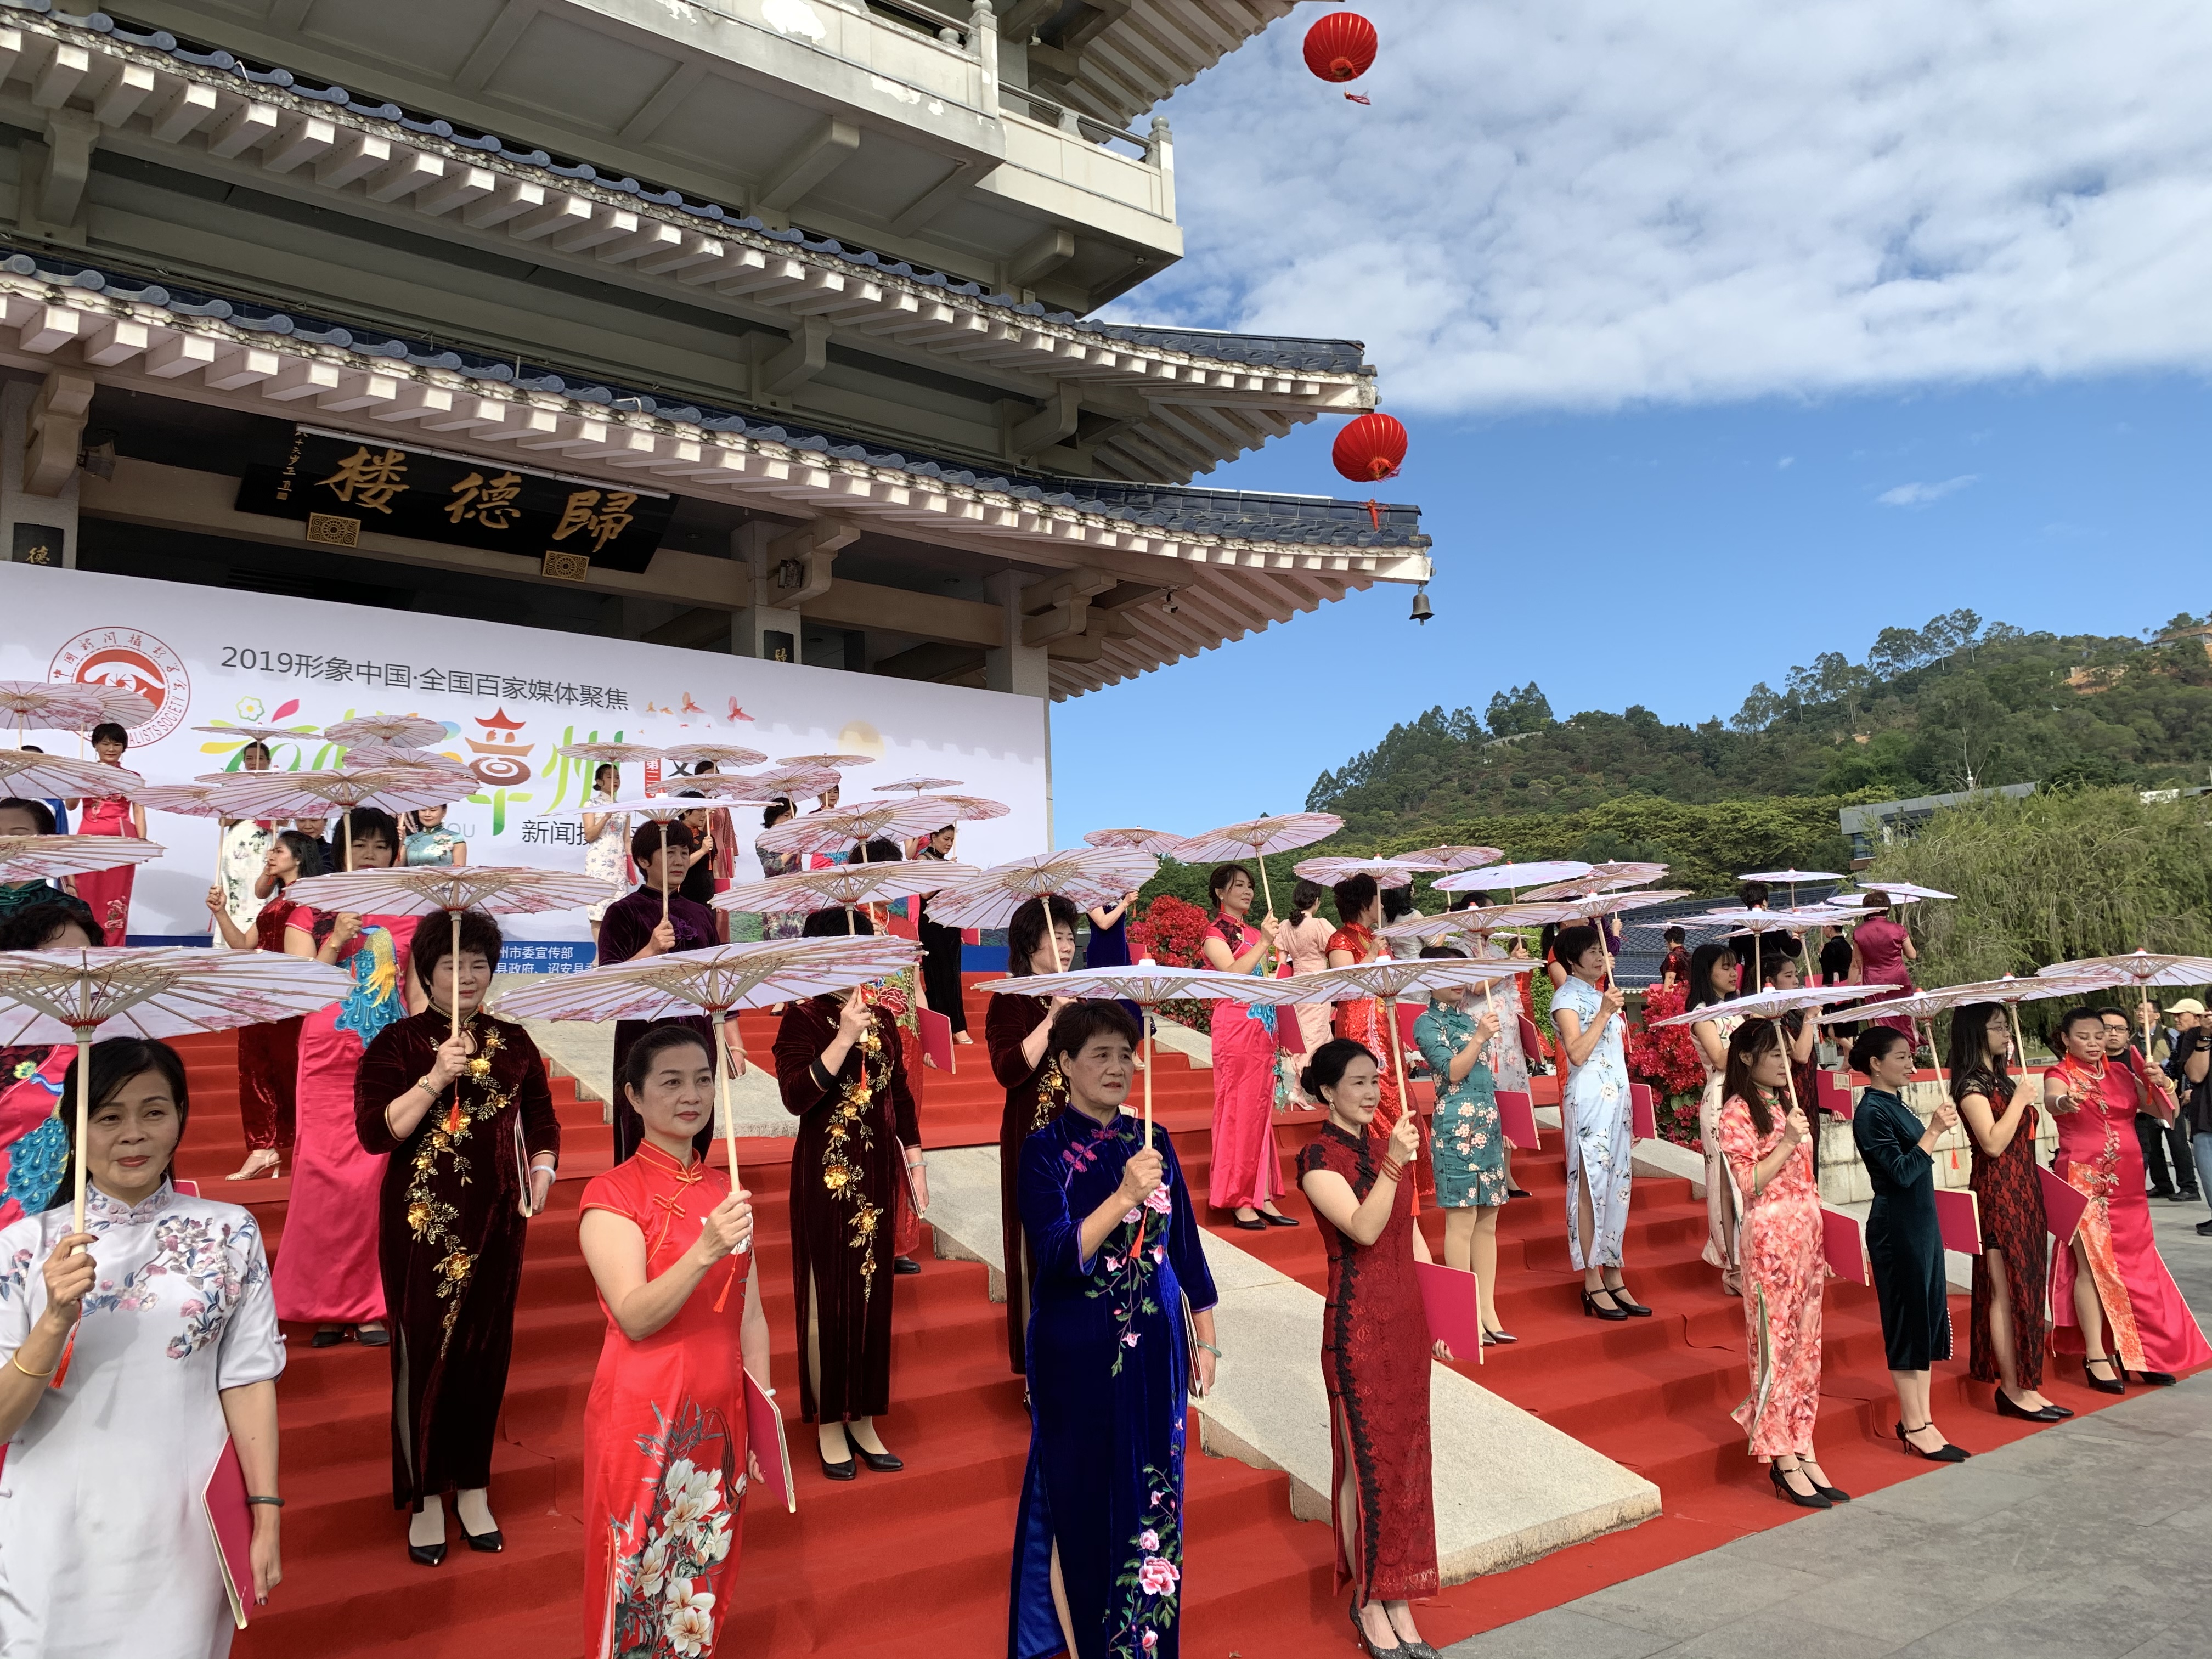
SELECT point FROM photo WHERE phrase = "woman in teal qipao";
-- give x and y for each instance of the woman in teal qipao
(1457, 1037)
(1118, 1261)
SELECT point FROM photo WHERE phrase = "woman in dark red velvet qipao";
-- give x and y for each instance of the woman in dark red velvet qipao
(1015, 1029)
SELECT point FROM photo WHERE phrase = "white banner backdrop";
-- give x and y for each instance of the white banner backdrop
(508, 698)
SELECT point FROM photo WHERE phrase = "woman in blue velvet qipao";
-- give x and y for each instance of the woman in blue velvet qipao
(1121, 1329)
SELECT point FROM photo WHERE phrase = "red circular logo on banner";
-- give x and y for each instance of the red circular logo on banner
(130, 659)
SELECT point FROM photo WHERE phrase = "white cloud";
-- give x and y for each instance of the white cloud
(1785, 464)
(1583, 202)
(1920, 494)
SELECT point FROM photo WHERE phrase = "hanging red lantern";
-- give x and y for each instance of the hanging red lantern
(1341, 46)
(1371, 449)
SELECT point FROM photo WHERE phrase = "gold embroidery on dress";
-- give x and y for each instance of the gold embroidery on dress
(429, 1218)
(1051, 1094)
(841, 1175)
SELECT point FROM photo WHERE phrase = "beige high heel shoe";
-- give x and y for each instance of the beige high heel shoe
(264, 1161)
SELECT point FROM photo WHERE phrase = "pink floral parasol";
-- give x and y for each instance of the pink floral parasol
(1453, 859)
(1084, 876)
(1158, 842)
(396, 731)
(842, 826)
(722, 754)
(1387, 872)
(966, 808)
(796, 782)
(1490, 879)
(921, 786)
(834, 763)
(840, 886)
(39, 858)
(159, 991)
(68, 705)
(1256, 838)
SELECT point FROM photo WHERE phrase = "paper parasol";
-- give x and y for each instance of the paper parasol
(398, 731)
(1493, 877)
(841, 827)
(1387, 872)
(1084, 876)
(1791, 878)
(35, 857)
(1451, 858)
(835, 761)
(610, 754)
(2139, 969)
(68, 705)
(425, 890)
(966, 808)
(653, 806)
(842, 885)
(716, 980)
(1158, 842)
(159, 991)
(366, 756)
(722, 754)
(1772, 1004)
(1283, 833)
(798, 782)
(1452, 924)
(1899, 892)
(35, 776)
(922, 785)
(1386, 980)
(1600, 879)
(316, 794)
(1148, 984)
(185, 800)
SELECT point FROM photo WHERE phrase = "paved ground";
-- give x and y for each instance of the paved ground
(2090, 1540)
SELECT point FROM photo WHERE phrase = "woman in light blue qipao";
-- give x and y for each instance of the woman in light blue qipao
(1593, 1108)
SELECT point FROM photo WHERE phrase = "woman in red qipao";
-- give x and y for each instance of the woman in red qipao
(2111, 1279)
(1247, 1173)
(1015, 1032)
(267, 1054)
(665, 1456)
(1881, 948)
(108, 891)
(1375, 1351)
(1359, 910)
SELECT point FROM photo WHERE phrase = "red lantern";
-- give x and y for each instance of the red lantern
(1341, 46)
(1371, 449)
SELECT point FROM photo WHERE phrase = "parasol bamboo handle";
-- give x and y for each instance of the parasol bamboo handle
(729, 1126)
(1397, 1054)
(1266, 897)
(2018, 1041)
(345, 835)
(1146, 1009)
(453, 972)
(84, 1119)
(663, 822)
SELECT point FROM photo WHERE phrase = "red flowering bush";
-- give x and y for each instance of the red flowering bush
(1667, 1061)
(1168, 932)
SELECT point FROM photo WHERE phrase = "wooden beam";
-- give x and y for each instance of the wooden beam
(812, 159)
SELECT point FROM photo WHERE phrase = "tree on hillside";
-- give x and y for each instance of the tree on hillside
(1523, 708)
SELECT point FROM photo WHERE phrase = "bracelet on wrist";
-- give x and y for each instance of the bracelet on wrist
(273, 1502)
(15, 1360)
(1208, 1346)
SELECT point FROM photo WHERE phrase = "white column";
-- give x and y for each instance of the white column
(762, 630)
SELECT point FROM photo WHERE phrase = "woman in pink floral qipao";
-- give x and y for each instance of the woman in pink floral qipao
(1767, 1145)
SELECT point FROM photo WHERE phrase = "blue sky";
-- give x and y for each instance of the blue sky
(1670, 557)
(1727, 334)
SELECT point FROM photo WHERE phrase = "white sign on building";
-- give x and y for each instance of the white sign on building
(509, 697)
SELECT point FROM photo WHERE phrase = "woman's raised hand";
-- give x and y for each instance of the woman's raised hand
(1405, 1136)
(69, 1276)
(343, 926)
(1796, 1127)
(452, 1058)
(1140, 1177)
(216, 903)
(853, 1019)
(1612, 1003)
(661, 940)
(728, 1227)
(1946, 1117)
(1486, 1027)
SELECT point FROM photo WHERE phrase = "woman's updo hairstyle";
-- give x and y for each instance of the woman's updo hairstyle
(1872, 1045)
(1328, 1065)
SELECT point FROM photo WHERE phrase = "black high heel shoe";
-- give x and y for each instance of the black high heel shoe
(1944, 1454)
(881, 1462)
(485, 1543)
(2117, 1385)
(1592, 1311)
(427, 1555)
(2008, 1407)
(1803, 1500)
(1627, 1303)
(2155, 1379)
(1257, 1223)
(1359, 1634)
(1274, 1218)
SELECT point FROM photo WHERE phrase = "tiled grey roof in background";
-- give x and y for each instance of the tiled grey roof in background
(1338, 356)
(1311, 521)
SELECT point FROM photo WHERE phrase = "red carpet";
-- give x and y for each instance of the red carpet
(915, 1562)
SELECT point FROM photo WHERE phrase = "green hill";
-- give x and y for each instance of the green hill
(1953, 705)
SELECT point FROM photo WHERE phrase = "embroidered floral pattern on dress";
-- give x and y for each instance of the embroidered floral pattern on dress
(665, 1602)
(841, 1176)
(1150, 1579)
(213, 1262)
(429, 1218)
(1130, 1259)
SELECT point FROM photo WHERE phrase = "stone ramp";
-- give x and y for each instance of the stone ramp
(1509, 1487)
